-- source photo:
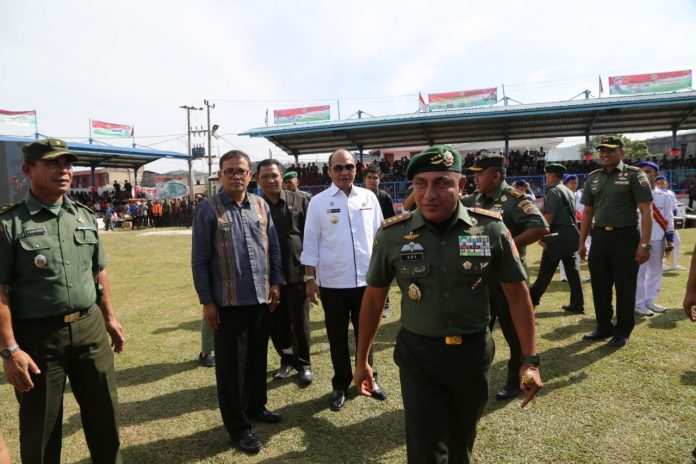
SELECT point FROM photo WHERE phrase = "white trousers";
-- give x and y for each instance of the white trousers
(578, 260)
(650, 276)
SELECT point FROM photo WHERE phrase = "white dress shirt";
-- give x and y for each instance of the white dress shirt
(338, 235)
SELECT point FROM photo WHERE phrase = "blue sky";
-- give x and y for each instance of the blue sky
(136, 62)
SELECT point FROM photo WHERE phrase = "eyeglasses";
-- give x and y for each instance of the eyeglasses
(341, 167)
(231, 172)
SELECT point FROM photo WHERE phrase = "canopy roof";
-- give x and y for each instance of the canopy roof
(107, 156)
(621, 114)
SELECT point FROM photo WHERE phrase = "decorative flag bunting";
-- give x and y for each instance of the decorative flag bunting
(107, 129)
(422, 107)
(298, 115)
(27, 118)
(650, 83)
(463, 99)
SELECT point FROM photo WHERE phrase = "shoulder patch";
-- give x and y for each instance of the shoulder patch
(487, 212)
(633, 168)
(514, 192)
(9, 206)
(85, 207)
(396, 219)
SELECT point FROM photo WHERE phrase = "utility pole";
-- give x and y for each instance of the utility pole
(210, 147)
(190, 161)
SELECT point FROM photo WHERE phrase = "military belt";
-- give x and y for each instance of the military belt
(612, 228)
(61, 318)
(450, 339)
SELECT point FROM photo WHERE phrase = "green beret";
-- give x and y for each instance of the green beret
(611, 142)
(555, 168)
(487, 160)
(437, 158)
(290, 175)
(46, 149)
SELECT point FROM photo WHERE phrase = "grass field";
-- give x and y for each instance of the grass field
(637, 404)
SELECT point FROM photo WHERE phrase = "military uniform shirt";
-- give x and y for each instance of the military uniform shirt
(559, 199)
(615, 195)
(519, 212)
(47, 260)
(452, 270)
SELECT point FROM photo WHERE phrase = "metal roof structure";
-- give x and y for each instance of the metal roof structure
(620, 114)
(97, 155)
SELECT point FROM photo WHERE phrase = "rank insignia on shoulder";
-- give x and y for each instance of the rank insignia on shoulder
(487, 212)
(514, 192)
(6, 207)
(396, 219)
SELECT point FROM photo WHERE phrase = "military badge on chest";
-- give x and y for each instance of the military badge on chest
(474, 245)
(412, 258)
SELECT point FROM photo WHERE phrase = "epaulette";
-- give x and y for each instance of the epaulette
(596, 170)
(85, 207)
(487, 212)
(514, 192)
(633, 168)
(9, 206)
(396, 219)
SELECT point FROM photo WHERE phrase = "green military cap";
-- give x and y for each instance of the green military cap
(290, 175)
(47, 149)
(437, 158)
(611, 142)
(487, 160)
(555, 168)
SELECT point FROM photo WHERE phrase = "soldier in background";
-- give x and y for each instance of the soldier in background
(527, 225)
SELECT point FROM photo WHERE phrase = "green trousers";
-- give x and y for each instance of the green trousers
(207, 337)
(81, 352)
(444, 389)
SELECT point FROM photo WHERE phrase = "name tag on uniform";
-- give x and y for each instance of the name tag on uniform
(37, 231)
(474, 245)
(411, 252)
(621, 182)
(333, 210)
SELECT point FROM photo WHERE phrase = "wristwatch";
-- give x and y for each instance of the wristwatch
(307, 278)
(532, 359)
(646, 246)
(7, 352)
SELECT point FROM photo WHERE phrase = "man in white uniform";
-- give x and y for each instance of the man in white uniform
(339, 232)
(662, 183)
(650, 272)
(571, 181)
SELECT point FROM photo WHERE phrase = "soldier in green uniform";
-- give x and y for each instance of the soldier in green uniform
(612, 197)
(527, 225)
(559, 212)
(52, 265)
(445, 258)
(292, 184)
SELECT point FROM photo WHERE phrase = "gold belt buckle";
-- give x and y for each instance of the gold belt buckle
(608, 228)
(72, 317)
(453, 340)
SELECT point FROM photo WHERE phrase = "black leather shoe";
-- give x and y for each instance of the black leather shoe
(206, 360)
(248, 443)
(338, 399)
(283, 372)
(507, 392)
(269, 417)
(617, 341)
(306, 374)
(377, 392)
(574, 309)
(597, 335)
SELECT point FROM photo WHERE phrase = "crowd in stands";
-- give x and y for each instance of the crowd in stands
(521, 163)
(116, 209)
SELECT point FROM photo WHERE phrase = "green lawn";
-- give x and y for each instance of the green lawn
(637, 404)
